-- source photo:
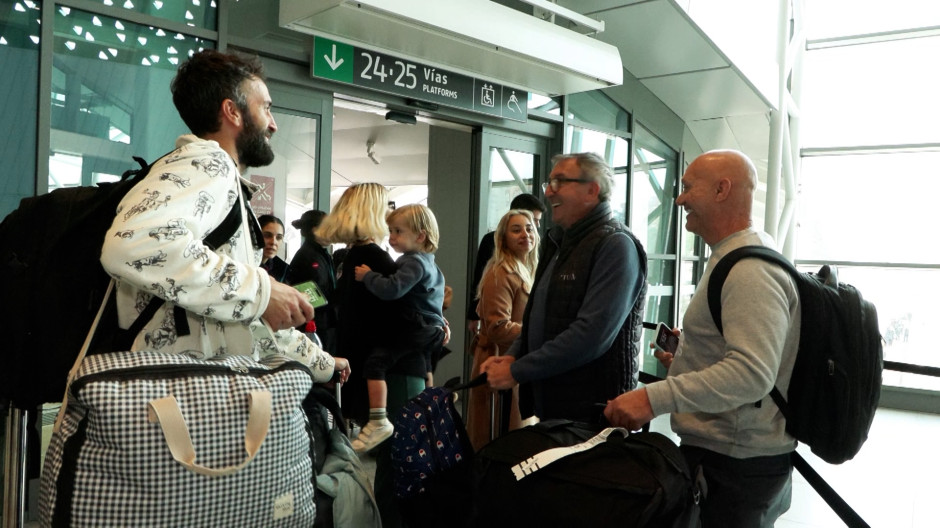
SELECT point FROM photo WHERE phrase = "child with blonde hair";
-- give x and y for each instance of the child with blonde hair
(418, 285)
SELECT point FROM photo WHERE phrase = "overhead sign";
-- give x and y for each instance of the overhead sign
(370, 69)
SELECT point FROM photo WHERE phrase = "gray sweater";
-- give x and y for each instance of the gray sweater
(715, 380)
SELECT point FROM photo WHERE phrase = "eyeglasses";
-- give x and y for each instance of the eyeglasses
(555, 183)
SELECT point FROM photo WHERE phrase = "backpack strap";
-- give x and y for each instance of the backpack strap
(218, 236)
(717, 280)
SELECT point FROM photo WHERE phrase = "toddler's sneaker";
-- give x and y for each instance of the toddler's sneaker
(373, 434)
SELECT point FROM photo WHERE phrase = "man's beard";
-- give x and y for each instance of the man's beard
(252, 145)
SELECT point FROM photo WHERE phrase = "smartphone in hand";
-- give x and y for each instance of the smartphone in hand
(665, 339)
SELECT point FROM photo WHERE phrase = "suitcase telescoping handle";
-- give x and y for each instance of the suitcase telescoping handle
(166, 412)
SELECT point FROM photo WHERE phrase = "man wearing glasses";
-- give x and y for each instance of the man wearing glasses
(581, 329)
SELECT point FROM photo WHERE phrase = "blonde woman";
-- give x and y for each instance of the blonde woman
(503, 293)
(366, 323)
(358, 220)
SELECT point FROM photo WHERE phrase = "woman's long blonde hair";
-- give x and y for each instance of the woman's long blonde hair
(525, 267)
(359, 215)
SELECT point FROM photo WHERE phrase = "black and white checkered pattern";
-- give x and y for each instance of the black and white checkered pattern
(108, 465)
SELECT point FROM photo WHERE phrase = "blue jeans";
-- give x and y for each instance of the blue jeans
(742, 492)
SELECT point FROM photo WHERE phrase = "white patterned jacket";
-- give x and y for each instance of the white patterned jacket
(154, 247)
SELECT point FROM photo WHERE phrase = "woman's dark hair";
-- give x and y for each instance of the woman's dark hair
(266, 219)
(205, 80)
(528, 202)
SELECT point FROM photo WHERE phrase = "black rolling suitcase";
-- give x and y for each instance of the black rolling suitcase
(607, 479)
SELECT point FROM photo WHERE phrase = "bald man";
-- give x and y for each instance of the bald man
(715, 381)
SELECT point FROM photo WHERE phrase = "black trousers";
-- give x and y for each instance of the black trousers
(742, 492)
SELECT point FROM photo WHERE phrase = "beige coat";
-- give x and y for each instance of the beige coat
(503, 296)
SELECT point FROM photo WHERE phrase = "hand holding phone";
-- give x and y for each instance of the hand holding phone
(314, 295)
(665, 339)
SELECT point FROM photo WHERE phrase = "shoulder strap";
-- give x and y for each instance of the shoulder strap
(225, 230)
(717, 278)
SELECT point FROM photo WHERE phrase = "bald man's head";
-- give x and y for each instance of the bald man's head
(717, 194)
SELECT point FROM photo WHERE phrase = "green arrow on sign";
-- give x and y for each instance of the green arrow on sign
(332, 60)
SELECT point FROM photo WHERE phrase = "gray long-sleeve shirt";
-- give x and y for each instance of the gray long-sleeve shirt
(715, 380)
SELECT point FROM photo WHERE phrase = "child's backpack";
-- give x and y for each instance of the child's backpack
(836, 381)
(432, 459)
(50, 249)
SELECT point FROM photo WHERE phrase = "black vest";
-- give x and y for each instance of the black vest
(581, 393)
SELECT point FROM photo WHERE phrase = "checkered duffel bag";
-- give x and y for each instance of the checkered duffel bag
(151, 439)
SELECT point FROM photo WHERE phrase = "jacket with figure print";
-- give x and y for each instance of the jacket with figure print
(154, 247)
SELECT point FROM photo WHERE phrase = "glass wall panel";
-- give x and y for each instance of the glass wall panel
(866, 207)
(511, 174)
(541, 103)
(873, 94)
(654, 206)
(19, 56)
(111, 95)
(614, 150)
(287, 184)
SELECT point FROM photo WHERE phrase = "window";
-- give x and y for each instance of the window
(653, 218)
(870, 152)
(197, 13)
(511, 174)
(840, 18)
(872, 94)
(19, 55)
(111, 95)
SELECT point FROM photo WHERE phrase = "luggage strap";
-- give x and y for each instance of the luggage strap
(540, 460)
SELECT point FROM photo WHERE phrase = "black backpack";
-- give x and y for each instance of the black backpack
(50, 249)
(836, 381)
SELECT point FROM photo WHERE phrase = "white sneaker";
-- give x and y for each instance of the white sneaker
(373, 434)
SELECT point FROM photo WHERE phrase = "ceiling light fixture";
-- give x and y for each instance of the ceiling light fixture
(401, 117)
(370, 151)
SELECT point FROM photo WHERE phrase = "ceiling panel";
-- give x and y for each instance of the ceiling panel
(656, 38)
(714, 134)
(707, 94)
(752, 132)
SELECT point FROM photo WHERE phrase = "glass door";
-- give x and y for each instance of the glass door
(509, 166)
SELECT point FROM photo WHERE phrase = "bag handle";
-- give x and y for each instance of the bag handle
(540, 460)
(81, 356)
(166, 411)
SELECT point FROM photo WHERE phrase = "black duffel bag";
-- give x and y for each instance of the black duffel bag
(610, 478)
